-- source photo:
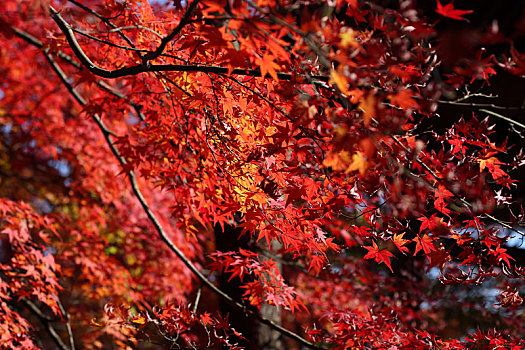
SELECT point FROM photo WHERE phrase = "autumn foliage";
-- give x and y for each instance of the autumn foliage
(360, 160)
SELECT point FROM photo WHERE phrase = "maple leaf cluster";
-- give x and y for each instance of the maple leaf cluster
(189, 173)
(33, 273)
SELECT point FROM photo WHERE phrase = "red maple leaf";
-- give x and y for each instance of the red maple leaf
(500, 254)
(449, 11)
(380, 256)
(400, 242)
(438, 258)
(206, 319)
(424, 243)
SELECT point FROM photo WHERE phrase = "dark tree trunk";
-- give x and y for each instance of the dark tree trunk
(268, 338)
(229, 240)
(258, 336)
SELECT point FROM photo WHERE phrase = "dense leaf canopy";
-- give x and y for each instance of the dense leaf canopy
(342, 174)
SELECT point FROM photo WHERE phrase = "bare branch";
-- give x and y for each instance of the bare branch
(497, 115)
(34, 309)
(197, 299)
(480, 105)
(68, 324)
(46, 321)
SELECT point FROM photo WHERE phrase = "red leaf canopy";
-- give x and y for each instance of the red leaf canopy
(333, 174)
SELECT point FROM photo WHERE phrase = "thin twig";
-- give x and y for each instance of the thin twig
(68, 324)
(197, 299)
(37, 43)
(103, 19)
(109, 43)
(480, 105)
(463, 201)
(183, 22)
(497, 115)
(118, 29)
(46, 321)
(37, 311)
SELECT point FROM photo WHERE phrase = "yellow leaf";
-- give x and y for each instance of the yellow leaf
(358, 163)
(482, 164)
(348, 38)
(404, 100)
(337, 161)
(340, 81)
(486, 162)
(400, 242)
(139, 320)
(368, 106)
(270, 131)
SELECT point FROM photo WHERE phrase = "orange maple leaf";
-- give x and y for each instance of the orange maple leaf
(337, 161)
(404, 100)
(268, 66)
(138, 319)
(368, 106)
(340, 81)
(358, 163)
(400, 242)
(493, 165)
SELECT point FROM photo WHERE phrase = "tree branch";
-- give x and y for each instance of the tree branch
(497, 115)
(46, 321)
(68, 324)
(480, 105)
(34, 309)
(153, 219)
(184, 20)
(37, 43)
(142, 68)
